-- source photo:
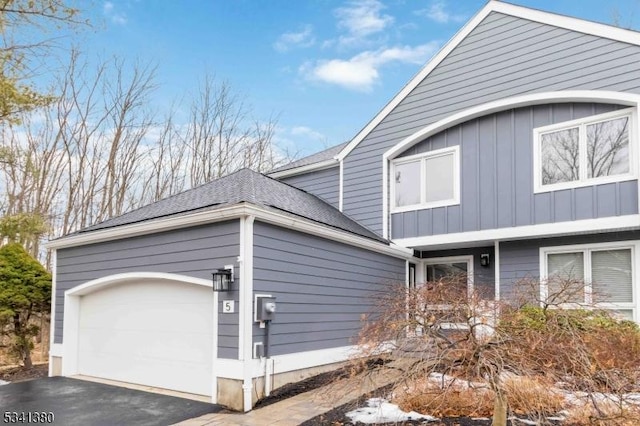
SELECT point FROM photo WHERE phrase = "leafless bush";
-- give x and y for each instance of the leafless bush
(531, 362)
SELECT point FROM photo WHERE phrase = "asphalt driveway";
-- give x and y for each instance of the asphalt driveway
(78, 402)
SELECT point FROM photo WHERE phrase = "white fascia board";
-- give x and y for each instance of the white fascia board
(567, 22)
(526, 232)
(148, 227)
(321, 165)
(308, 227)
(241, 210)
(574, 24)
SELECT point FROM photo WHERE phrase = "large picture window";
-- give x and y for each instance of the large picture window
(588, 151)
(606, 273)
(426, 180)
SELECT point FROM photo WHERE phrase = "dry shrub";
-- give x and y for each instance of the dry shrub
(448, 402)
(603, 412)
(532, 396)
(582, 350)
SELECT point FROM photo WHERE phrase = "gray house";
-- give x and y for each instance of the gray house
(513, 153)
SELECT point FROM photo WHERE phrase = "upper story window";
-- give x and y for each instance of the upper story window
(426, 180)
(588, 151)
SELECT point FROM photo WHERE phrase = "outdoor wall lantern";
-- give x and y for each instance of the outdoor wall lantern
(484, 260)
(223, 278)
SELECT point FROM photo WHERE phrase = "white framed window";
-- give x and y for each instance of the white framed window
(427, 180)
(588, 151)
(608, 271)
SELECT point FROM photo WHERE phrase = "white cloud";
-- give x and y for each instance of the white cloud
(307, 132)
(360, 19)
(303, 38)
(112, 14)
(438, 12)
(361, 72)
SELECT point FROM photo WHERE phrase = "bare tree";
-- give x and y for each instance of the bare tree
(464, 361)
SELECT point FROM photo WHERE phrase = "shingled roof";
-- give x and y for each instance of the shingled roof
(242, 186)
(327, 154)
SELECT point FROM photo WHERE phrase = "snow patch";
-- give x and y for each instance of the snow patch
(3, 382)
(379, 410)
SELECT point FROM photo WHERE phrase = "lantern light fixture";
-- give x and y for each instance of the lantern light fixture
(222, 278)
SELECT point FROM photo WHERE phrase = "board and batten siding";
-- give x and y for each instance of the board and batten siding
(496, 175)
(194, 252)
(504, 56)
(322, 287)
(520, 260)
(323, 184)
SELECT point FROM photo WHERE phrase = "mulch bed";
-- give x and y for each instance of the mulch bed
(20, 374)
(311, 383)
(337, 416)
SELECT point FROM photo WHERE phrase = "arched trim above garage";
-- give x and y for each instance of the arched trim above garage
(97, 284)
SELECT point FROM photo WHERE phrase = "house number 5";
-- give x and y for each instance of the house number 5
(228, 306)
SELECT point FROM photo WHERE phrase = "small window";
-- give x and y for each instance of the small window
(601, 274)
(583, 152)
(426, 180)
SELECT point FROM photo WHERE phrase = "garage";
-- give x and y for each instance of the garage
(153, 332)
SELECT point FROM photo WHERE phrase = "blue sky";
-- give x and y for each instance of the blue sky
(325, 67)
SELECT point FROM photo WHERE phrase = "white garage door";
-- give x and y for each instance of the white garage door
(151, 333)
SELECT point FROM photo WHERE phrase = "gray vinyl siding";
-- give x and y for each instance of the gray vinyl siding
(503, 57)
(520, 260)
(484, 278)
(324, 184)
(322, 287)
(496, 174)
(194, 252)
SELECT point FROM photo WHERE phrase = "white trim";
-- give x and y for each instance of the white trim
(244, 209)
(629, 99)
(148, 227)
(581, 124)
(574, 24)
(214, 350)
(529, 231)
(587, 249)
(621, 98)
(56, 349)
(233, 369)
(52, 326)
(422, 158)
(97, 284)
(308, 227)
(496, 268)
(314, 167)
(245, 335)
(385, 198)
(72, 308)
(341, 187)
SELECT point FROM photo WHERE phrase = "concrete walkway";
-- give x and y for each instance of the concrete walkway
(295, 410)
